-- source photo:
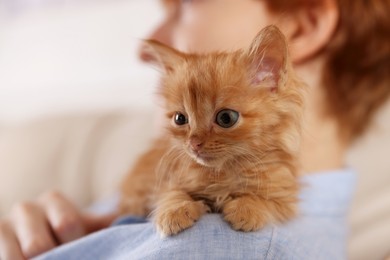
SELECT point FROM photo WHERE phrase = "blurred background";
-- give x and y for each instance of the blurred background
(77, 108)
(60, 56)
(76, 105)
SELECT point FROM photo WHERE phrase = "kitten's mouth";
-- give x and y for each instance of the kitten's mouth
(203, 159)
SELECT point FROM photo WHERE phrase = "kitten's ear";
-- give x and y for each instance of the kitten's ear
(161, 55)
(268, 58)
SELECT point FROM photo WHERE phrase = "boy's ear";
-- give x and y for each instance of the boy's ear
(161, 55)
(310, 29)
(268, 58)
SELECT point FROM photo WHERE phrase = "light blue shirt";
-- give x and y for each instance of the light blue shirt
(319, 232)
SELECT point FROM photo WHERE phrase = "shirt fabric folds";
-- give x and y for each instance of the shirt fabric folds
(319, 232)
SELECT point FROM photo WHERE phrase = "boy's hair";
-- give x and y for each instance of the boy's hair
(357, 73)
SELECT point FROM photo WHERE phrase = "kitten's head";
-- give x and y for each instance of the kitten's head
(225, 107)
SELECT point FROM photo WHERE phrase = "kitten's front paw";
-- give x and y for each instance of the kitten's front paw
(179, 217)
(244, 214)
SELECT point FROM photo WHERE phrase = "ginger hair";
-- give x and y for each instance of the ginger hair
(356, 75)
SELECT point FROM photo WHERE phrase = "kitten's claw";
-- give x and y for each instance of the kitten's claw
(243, 216)
(177, 218)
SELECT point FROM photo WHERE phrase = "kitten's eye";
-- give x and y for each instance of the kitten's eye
(180, 119)
(227, 118)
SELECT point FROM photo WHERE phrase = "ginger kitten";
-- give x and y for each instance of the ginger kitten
(233, 128)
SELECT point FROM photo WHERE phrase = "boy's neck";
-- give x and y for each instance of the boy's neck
(322, 147)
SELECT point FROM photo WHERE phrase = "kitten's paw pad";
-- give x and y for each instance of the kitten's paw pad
(177, 218)
(243, 216)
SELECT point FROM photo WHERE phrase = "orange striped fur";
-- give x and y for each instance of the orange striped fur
(247, 172)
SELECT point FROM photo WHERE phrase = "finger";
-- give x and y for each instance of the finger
(9, 244)
(96, 222)
(32, 229)
(63, 217)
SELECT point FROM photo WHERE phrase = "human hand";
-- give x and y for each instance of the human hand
(37, 226)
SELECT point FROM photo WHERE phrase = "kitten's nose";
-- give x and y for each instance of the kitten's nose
(196, 144)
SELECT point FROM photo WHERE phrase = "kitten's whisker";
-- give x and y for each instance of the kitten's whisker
(184, 166)
(253, 170)
(235, 162)
(165, 166)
